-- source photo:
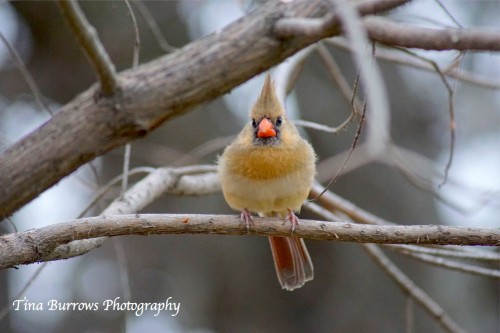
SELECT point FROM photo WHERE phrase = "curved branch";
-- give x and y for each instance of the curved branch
(151, 94)
(34, 245)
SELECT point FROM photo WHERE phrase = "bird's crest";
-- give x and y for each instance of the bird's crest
(268, 104)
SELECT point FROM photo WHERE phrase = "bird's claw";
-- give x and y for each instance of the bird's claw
(246, 218)
(293, 219)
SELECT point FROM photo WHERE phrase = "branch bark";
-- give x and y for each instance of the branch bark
(392, 33)
(91, 125)
(33, 245)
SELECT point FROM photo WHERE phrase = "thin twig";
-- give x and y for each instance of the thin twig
(107, 187)
(150, 21)
(321, 127)
(449, 264)
(393, 57)
(348, 156)
(414, 166)
(126, 167)
(89, 41)
(21, 67)
(135, 63)
(331, 200)
(336, 73)
(409, 287)
(410, 315)
(378, 136)
(137, 37)
(208, 147)
(447, 12)
(411, 172)
(5, 311)
(471, 254)
(403, 281)
(451, 108)
(123, 274)
(11, 223)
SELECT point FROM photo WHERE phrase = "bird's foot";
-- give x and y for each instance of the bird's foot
(293, 219)
(246, 218)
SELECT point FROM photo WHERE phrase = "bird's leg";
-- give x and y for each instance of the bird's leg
(294, 220)
(246, 217)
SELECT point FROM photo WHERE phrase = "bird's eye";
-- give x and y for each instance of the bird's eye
(254, 123)
(279, 121)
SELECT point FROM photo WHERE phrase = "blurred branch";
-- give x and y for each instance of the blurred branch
(153, 93)
(391, 33)
(332, 202)
(135, 63)
(451, 109)
(397, 58)
(192, 180)
(89, 41)
(409, 287)
(155, 30)
(329, 24)
(7, 308)
(208, 147)
(137, 37)
(399, 277)
(36, 244)
(287, 73)
(344, 87)
(321, 127)
(471, 254)
(103, 190)
(449, 264)
(377, 136)
(419, 170)
(21, 67)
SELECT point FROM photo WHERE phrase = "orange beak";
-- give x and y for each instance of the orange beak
(266, 129)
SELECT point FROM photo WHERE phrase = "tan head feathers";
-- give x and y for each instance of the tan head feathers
(268, 104)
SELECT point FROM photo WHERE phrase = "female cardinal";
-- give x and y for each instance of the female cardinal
(269, 169)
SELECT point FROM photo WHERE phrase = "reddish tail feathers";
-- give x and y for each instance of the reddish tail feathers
(292, 261)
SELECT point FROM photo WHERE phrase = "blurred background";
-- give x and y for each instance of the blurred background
(228, 284)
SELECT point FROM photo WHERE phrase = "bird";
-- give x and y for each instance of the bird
(269, 170)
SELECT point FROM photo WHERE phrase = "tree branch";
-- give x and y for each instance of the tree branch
(396, 57)
(449, 264)
(89, 41)
(402, 35)
(33, 245)
(329, 24)
(151, 94)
